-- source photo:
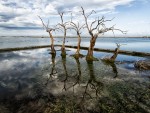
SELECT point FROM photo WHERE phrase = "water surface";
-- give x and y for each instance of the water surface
(34, 81)
(130, 44)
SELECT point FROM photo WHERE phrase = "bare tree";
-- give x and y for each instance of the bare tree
(77, 28)
(114, 56)
(49, 30)
(95, 28)
(63, 25)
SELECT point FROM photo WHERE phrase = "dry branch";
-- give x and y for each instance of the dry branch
(96, 28)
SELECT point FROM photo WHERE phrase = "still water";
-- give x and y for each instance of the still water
(131, 44)
(34, 81)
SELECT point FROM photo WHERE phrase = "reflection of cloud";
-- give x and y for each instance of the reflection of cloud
(27, 59)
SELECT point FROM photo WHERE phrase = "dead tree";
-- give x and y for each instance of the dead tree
(50, 30)
(63, 25)
(77, 28)
(95, 28)
(114, 56)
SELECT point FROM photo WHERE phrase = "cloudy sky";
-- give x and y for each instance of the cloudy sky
(19, 17)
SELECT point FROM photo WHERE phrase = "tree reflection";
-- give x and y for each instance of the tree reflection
(65, 70)
(113, 65)
(53, 70)
(89, 90)
(92, 85)
(78, 76)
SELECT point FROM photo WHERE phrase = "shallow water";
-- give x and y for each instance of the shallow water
(34, 81)
(130, 44)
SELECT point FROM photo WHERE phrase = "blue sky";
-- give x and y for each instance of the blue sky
(19, 17)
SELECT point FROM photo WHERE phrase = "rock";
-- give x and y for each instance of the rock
(142, 64)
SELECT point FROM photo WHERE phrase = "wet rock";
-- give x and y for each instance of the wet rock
(145, 65)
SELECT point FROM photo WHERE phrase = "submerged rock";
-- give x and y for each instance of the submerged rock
(142, 65)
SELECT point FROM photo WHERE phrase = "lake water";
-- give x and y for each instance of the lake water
(34, 81)
(131, 44)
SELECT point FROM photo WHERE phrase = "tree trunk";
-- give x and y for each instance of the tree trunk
(77, 55)
(91, 48)
(113, 58)
(63, 51)
(78, 47)
(52, 44)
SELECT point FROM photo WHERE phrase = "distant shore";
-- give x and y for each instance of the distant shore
(82, 36)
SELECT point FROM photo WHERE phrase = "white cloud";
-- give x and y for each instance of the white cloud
(21, 13)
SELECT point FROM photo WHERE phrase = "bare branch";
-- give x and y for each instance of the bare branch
(43, 23)
(103, 30)
(48, 23)
(124, 32)
(82, 27)
(85, 18)
(99, 22)
(61, 16)
(109, 20)
(74, 25)
(92, 24)
(90, 13)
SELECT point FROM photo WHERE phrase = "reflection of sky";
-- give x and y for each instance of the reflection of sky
(24, 74)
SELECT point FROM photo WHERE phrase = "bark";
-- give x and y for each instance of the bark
(53, 51)
(78, 47)
(91, 48)
(77, 55)
(63, 50)
(113, 58)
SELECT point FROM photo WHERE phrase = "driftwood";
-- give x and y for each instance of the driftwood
(142, 65)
